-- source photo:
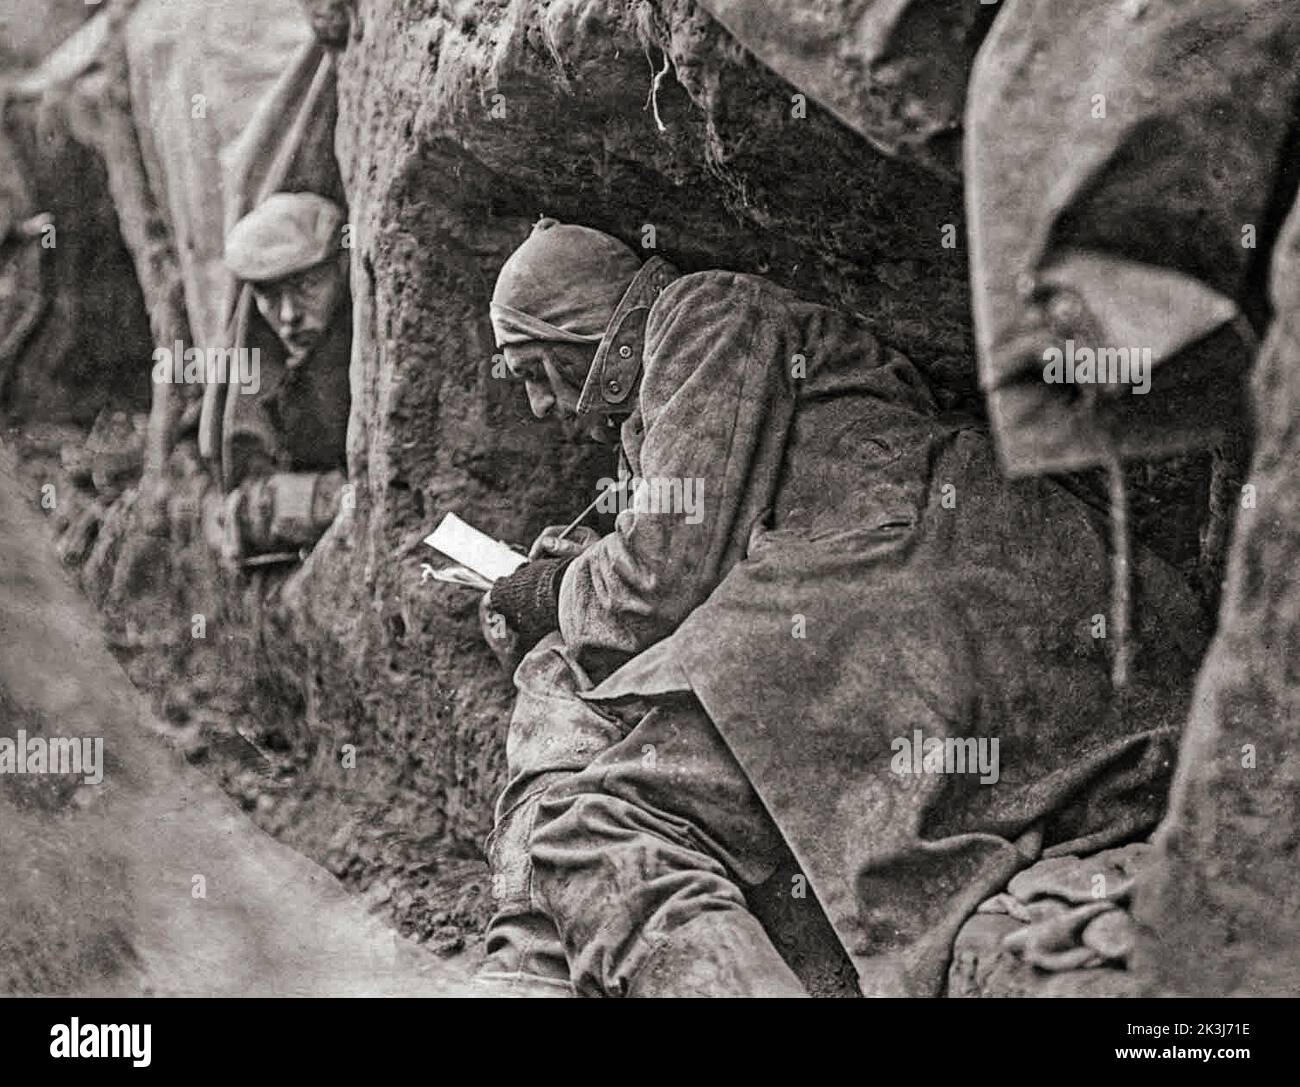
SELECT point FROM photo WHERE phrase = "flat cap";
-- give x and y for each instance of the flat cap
(286, 233)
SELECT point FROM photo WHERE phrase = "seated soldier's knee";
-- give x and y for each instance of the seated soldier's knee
(617, 880)
(591, 852)
(574, 831)
(567, 850)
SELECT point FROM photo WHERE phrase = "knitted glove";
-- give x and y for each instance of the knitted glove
(529, 599)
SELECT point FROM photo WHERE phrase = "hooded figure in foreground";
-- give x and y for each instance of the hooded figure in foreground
(824, 624)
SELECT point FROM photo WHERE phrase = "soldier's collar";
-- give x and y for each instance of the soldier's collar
(616, 369)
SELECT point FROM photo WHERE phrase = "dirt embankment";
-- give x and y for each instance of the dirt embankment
(147, 881)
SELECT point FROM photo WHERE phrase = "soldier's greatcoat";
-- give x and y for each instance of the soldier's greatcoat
(858, 571)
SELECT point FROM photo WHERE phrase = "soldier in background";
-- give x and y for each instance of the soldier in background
(283, 447)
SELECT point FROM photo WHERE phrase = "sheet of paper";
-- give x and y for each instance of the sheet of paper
(465, 544)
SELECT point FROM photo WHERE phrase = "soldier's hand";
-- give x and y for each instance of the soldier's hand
(549, 546)
(500, 638)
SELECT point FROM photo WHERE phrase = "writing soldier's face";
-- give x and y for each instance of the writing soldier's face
(299, 307)
(553, 374)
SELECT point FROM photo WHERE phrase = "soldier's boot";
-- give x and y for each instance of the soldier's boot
(719, 953)
(524, 954)
(525, 957)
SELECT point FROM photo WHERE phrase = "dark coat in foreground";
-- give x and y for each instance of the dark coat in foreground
(857, 571)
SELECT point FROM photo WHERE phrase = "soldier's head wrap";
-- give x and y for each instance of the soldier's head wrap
(286, 233)
(563, 283)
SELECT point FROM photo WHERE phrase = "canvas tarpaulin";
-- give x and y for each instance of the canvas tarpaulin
(23, 294)
(1124, 166)
(893, 70)
(1125, 169)
(199, 71)
(21, 298)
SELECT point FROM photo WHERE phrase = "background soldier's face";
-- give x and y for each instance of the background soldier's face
(299, 307)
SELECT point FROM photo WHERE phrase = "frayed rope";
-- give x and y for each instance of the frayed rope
(652, 99)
